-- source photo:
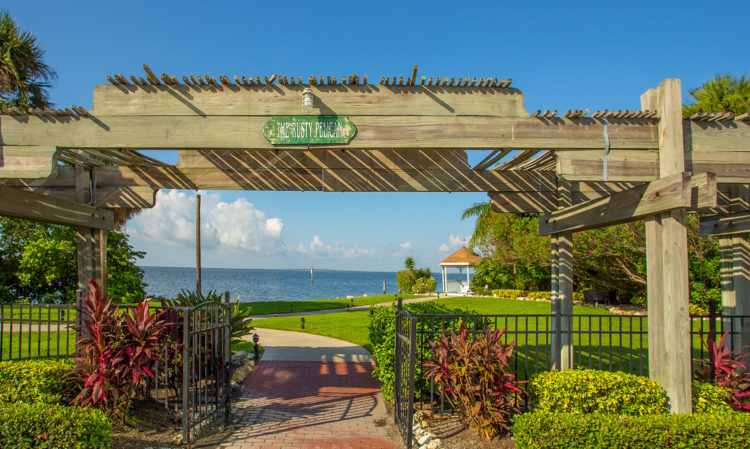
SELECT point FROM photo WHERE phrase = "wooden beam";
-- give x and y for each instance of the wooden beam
(305, 179)
(107, 197)
(373, 132)
(658, 196)
(738, 223)
(31, 206)
(523, 202)
(352, 100)
(27, 161)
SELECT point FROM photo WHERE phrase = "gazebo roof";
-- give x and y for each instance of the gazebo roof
(461, 257)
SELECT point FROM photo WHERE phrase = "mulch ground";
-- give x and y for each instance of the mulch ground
(454, 435)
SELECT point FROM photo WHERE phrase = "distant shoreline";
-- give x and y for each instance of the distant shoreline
(276, 269)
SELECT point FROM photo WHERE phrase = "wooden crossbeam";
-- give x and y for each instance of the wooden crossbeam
(33, 206)
(27, 161)
(141, 197)
(666, 194)
(738, 223)
(523, 202)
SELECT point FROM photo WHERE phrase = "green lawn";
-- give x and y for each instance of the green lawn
(37, 344)
(510, 306)
(348, 326)
(267, 307)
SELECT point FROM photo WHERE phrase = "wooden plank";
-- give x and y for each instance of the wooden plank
(523, 202)
(731, 135)
(658, 196)
(351, 100)
(365, 180)
(703, 191)
(31, 206)
(565, 297)
(738, 223)
(374, 132)
(109, 197)
(27, 161)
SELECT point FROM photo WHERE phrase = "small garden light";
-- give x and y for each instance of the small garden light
(256, 349)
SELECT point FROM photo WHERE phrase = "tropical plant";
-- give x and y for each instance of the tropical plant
(720, 93)
(409, 263)
(726, 369)
(474, 373)
(24, 77)
(117, 351)
(38, 262)
(239, 317)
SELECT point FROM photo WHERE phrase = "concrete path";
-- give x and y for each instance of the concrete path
(310, 391)
(344, 309)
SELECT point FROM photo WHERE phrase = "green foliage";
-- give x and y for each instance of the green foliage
(545, 430)
(117, 351)
(382, 329)
(52, 426)
(518, 257)
(425, 285)
(709, 398)
(474, 373)
(24, 77)
(239, 317)
(592, 391)
(507, 293)
(38, 262)
(726, 368)
(539, 295)
(719, 94)
(409, 263)
(406, 280)
(36, 381)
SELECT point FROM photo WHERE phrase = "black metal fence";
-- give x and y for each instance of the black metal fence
(191, 375)
(604, 342)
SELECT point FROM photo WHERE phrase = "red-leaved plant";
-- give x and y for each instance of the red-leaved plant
(728, 370)
(116, 352)
(474, 373)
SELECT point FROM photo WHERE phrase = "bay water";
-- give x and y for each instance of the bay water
(253, 285)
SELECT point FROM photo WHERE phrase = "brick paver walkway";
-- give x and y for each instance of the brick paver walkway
(291, 404)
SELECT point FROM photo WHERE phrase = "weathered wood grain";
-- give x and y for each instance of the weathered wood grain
(32, 206)
(27, 161)
(658, 196)
(738, 223)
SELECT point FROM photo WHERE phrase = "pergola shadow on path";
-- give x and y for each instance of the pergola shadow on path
(582, 170)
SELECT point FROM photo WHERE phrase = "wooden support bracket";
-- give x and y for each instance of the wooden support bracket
(31, 206)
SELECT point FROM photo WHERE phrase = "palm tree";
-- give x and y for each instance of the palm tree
(409, 263)
(720, 93)
(482, 212)
(24, 77)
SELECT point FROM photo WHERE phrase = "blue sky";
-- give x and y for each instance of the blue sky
(561, 55)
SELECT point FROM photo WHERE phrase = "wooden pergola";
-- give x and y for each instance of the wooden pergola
(581, 169)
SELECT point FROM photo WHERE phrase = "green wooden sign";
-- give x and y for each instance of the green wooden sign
(309, 129)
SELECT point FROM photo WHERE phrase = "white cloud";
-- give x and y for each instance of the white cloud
(236, 226)
(406, 247)
(318, 248)
(455, 241)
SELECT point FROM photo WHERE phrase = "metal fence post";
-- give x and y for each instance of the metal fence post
(185, 375)
(227, 357)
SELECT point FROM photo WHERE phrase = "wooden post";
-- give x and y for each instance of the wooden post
(84, 235)
(741, 286)
(198, 244)
(565, 298)
(666, 257)
(102, 267)
(555, 341)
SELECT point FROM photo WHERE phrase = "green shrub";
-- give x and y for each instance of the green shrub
(589, 391)
(577, 296)
(406, 280)
(424, 285)
(709, 398)
(539, 295)
(36, 381)
(382, 330)
(541, 430)
(507, 294)
(52, 426)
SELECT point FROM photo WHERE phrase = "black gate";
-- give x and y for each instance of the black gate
(403, 402)
(206, 391)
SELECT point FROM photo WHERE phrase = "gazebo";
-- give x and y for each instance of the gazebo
(462, 258)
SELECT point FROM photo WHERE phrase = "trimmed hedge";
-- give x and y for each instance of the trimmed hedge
(540, 430)
(592, 391)
(540, 295)
(36, 381)
(709, 398)
(48, 426)
(507, 294)
(382, 330)
(424, 285)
